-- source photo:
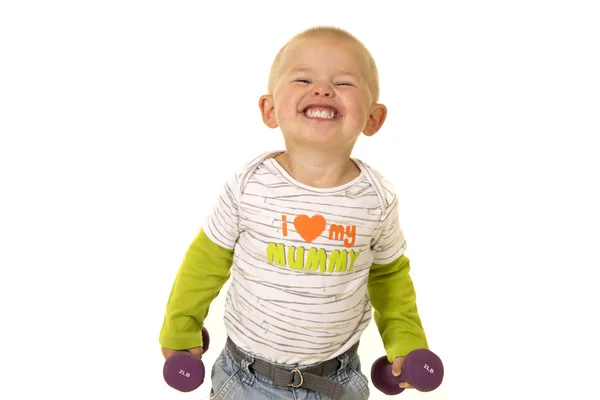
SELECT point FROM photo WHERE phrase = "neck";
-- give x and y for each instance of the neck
(318, 170)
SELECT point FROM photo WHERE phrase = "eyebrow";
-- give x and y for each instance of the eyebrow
(306, 69)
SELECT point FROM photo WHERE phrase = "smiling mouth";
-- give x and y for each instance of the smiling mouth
(321, 113)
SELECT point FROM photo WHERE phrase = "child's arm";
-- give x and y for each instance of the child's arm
(203, 272)
(390, 286)
(393, 299)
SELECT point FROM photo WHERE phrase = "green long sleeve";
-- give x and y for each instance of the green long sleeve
(393, 300)
(203, 272)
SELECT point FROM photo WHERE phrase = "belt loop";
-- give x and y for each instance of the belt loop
(342, 371)
(343, 360)
(247, 375)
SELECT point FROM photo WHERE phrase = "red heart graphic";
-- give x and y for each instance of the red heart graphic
(310, 227)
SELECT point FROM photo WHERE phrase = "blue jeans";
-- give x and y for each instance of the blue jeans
(234, 381)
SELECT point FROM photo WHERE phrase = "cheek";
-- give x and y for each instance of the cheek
(358, 111)
(286, 108)
(285, 112)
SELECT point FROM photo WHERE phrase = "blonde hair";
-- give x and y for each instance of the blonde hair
(373, 74)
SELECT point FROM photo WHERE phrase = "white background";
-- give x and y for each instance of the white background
(121, 120)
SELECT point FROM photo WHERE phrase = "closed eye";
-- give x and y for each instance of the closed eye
(302, 81)
(344, 84)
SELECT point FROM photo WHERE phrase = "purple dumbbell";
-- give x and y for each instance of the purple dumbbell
(422, 369)
(183, 370)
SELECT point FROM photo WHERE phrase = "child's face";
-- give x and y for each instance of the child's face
(322, 96)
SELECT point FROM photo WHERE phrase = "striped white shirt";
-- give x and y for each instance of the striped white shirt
(298, 291)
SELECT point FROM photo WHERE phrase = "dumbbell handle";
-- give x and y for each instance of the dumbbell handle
(205, 340)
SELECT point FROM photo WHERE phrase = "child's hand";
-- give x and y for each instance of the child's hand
(197, 351)
(397, 369)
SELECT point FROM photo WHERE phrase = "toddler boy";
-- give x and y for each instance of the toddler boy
(310, 238)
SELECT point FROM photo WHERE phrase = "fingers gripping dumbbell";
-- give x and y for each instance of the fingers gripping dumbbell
(183, 370)
(422, 369)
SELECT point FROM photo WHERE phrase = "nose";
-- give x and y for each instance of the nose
(322, 89)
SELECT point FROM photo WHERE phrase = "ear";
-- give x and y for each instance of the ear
(376, 119)
(267, 109)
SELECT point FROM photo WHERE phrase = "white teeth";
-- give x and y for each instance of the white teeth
(320, 114)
